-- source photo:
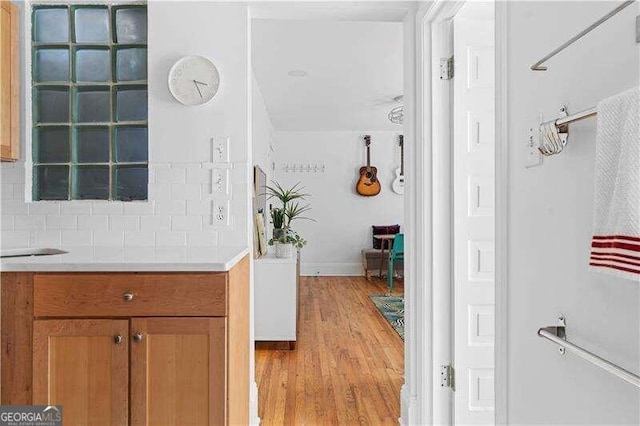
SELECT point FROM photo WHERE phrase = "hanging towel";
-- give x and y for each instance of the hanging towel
(615, 247)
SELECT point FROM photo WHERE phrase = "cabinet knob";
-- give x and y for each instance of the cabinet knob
(137, 337)
(117, 339)
(128, 296)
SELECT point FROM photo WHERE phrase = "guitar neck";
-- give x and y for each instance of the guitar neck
(367, 140)
(402, 155)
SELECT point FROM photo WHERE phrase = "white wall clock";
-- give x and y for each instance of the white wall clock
(194, 80)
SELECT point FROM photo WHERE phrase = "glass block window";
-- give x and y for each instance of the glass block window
(89, 82)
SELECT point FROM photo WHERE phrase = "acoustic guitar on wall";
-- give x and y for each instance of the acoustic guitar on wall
(368, 184)
(398, 183)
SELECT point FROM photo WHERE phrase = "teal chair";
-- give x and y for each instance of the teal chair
(396, 254)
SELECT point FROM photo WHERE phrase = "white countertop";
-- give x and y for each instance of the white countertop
(131, 259)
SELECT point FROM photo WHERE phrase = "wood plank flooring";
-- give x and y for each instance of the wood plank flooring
(348, 364)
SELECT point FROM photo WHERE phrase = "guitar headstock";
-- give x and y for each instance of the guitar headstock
(401, 140)
(367, 140)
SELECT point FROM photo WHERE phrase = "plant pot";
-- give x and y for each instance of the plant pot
(284, 250)
(278, 232)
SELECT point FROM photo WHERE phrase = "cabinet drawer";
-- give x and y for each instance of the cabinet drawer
(129, 295)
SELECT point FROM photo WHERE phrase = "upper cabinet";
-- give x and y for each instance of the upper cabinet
(9, 82)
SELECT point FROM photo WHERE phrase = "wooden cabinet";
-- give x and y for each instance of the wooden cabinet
(82, 365)
(145, 361)
(9, 82)
(177, 371)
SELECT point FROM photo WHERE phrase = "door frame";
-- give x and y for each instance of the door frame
(433, 245)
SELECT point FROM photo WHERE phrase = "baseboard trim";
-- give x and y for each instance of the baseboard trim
(253, 405)
(408, 408)
(331, 269)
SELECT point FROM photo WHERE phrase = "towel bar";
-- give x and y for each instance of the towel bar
(538, 65)
(556, 334)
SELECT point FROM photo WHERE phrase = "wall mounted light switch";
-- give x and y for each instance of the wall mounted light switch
(220, 149)
(220, 182)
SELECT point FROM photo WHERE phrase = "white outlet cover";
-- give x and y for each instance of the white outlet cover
(220, 214)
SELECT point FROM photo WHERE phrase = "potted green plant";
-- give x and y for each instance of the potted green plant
(284, 237)
(286, 243)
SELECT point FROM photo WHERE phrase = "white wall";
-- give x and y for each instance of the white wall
(550, 222)
(178, 212)
(343, 218)
(262, 131)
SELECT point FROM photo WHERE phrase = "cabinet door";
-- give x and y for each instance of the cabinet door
(9, 86)
(82, 365)
(178, 370)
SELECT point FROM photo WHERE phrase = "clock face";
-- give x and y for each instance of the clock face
(193, 80)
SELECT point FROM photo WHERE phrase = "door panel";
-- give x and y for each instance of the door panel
(178, 371)
(79, 365)
(474, 181)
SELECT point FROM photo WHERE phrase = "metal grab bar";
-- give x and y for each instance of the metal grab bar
(576, 117)
(557, 335)
(538, 65)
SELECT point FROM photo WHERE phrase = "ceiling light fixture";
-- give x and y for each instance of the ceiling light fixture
(298, 73)
(396, 114)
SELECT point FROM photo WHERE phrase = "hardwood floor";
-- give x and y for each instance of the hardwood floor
(348, 364)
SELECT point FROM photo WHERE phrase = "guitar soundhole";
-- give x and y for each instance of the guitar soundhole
(369, 175)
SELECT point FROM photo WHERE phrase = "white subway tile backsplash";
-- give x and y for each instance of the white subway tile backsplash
(170, 175)
(171, 238)
(45, 238)
(93, 222)
(177, 214)
(139, 238)
(12, 174)
(108, 238)
(159, 191)
(124, 223)
(76, 238)
(14, 238)
(14, 207)
(6, 190)
(140, 208)
(171, 207)
(202, 239)
(44, 207)
(18, 191)
(107, 207)
(198, 207)
(30, 222)
(75, 207)
(186, 223)
(198, 175)
(62, 222)
(155, 223)
(7, 221)
(188, 191)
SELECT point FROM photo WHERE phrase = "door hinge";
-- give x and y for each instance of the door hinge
(448, 377)
(446, 68)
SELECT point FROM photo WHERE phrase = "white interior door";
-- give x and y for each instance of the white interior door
(473, 182)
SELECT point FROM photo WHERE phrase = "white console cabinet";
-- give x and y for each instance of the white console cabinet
(276, 299)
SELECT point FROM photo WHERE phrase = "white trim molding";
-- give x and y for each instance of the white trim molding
(415, 404)
(501, 381)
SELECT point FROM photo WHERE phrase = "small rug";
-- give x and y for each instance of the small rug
(392, 308)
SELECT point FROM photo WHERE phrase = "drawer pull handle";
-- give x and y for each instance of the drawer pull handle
(137, 337)
(117, 339)
(128, 296)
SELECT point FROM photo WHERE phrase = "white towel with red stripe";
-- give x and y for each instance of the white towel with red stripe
(615, 246)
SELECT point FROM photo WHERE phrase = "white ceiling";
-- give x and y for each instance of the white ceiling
(354, 70)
